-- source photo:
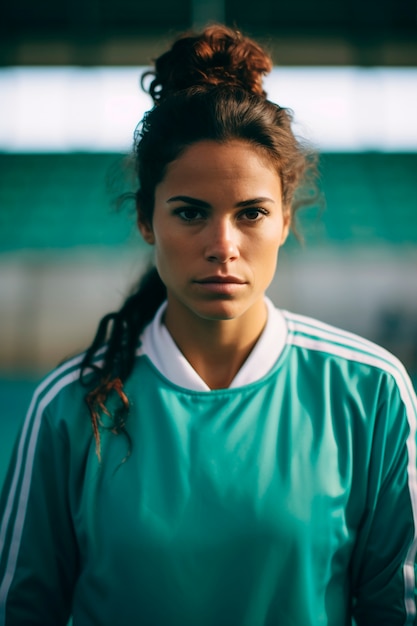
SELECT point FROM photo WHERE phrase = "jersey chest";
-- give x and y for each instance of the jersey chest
(265, 472)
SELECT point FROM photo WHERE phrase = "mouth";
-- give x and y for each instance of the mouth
(221, 286)
(220, 280)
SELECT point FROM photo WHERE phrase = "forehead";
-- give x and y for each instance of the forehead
(232, 160)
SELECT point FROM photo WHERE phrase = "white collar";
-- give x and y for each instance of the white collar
(158, 345)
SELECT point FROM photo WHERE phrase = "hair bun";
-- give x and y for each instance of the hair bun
(216, 56)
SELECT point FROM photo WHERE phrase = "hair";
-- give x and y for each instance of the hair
(207, 86)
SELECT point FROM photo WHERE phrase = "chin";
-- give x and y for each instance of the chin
(221, 311)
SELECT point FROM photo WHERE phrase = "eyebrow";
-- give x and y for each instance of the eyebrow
(206, 205)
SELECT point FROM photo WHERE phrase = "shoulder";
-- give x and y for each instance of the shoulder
(353, 368)
(331, 342)
(64, 385)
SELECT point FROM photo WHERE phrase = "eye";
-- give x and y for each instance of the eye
(254, 215)
(189, 214)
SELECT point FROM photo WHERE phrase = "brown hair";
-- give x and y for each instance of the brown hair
(208, 86)
(217, 56)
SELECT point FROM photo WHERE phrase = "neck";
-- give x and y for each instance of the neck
(216, 349)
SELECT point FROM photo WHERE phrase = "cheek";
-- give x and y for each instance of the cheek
(264, 255)
(169, 246)
(266, 247)
(171, 256)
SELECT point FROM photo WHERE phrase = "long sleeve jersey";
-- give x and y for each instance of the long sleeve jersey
(286, 501)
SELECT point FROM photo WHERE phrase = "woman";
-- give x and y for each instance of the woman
(212, 460)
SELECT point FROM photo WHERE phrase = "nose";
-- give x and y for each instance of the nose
(222, 242)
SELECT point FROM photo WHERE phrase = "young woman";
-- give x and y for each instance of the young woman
(212, 460)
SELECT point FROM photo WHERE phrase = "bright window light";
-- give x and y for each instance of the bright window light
(65, 109)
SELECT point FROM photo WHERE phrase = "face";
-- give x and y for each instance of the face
(217, 227)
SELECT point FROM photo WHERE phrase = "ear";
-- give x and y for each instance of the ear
(286, 226)
(146, 231)
(143, 222)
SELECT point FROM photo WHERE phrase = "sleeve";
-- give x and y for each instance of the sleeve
(38, 550)
(384, 559)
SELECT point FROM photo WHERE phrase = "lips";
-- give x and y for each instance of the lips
(221, 280)
(219, 286)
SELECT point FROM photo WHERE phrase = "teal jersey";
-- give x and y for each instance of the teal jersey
(289, 501)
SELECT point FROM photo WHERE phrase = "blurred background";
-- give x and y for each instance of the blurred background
(69, 102)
